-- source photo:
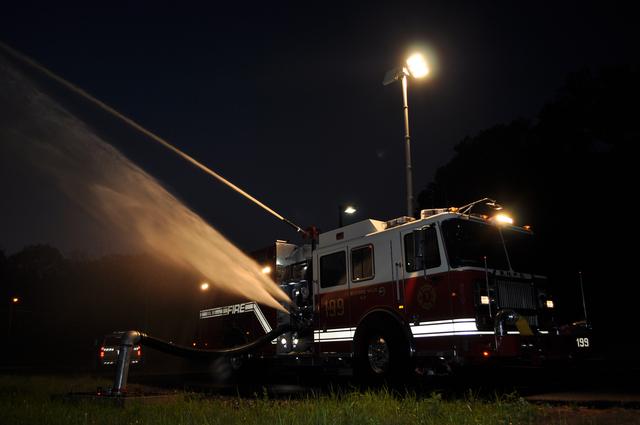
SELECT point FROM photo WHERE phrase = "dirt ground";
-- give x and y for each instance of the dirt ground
(585, 415)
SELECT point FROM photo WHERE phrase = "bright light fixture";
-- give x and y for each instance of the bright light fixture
(15, 300)
(417, 65)
(503, 219)
(549, 304)
(266, 270)
(204, 286)
(484, 299)
(349, 210)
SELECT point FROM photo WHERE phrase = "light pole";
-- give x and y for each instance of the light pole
(416, 66)
(344, 210)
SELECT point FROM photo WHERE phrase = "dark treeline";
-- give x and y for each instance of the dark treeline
(569, 174)
(66, 305)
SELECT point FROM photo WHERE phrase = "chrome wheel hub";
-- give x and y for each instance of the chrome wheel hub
(378, 354)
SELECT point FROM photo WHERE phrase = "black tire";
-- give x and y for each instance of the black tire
(381, 353)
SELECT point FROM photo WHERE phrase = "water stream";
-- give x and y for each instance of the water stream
(40, 134)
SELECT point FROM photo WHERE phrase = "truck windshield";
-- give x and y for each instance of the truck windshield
(468, 242)
(523, 251)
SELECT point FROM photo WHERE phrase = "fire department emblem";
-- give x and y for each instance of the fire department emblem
(426, 297)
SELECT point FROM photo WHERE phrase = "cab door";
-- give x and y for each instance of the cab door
(332, 302)
(427, 291)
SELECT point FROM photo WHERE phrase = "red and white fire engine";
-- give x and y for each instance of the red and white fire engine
(450, 288)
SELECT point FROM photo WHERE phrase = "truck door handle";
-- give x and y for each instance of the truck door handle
(398, 265)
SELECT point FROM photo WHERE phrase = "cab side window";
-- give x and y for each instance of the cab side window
(333, 269)
(362, 263)
(431, 251)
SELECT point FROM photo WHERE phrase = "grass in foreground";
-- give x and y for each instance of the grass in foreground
(27, 400)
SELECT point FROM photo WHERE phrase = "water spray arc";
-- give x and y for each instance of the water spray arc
(32, 63)
(94, 174)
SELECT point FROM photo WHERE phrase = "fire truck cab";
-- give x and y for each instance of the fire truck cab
(425, 294)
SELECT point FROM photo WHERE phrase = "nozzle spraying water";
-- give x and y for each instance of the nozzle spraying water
(27, 60)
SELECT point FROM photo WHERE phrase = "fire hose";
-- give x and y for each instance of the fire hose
(131, 338)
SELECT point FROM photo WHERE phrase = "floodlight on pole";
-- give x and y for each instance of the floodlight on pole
(416, 66)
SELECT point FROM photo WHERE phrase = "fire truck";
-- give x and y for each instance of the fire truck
(386, 298)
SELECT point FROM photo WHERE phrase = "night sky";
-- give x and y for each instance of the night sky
(287, 102)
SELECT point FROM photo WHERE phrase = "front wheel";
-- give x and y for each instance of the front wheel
(381, 354)
(378, 355)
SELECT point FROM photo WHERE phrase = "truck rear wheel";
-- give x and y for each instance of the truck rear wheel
(381, 353)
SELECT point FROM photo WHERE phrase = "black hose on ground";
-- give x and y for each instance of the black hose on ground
(131, 338)
(189, 352)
